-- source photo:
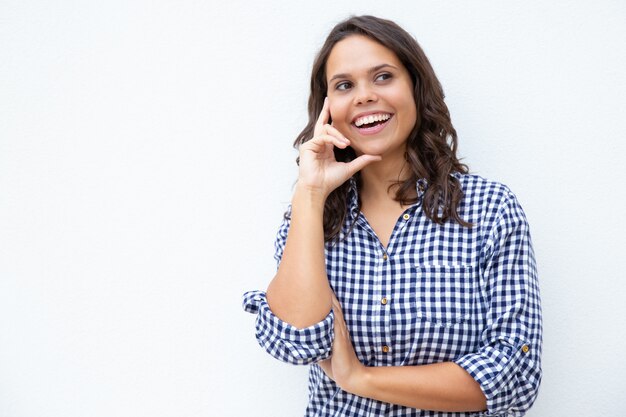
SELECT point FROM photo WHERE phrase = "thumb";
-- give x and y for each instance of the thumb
(361, 162)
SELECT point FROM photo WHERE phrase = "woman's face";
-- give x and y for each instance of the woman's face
(370, 94)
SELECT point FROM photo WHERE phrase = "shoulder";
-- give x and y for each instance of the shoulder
(485, 199)
(475, 186)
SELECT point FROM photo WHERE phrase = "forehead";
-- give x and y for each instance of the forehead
(356, 54)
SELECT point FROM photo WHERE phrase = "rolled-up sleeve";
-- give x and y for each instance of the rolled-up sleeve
(287, 343)
(507, 363)
(284, 341)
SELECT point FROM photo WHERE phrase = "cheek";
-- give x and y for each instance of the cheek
(412, 114)
(337, 115)
(410, 109)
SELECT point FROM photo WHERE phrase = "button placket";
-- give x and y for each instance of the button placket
(385, 343)
(380, 319)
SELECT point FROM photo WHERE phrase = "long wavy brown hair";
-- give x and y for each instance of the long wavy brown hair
(431, 145)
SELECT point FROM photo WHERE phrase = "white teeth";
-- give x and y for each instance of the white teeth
(371, 119)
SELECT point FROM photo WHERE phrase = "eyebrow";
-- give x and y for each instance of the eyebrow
(373, 69)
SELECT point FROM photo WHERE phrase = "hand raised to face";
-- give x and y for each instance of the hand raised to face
(319, 170)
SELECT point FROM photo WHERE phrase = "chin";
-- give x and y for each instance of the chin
(373, 149)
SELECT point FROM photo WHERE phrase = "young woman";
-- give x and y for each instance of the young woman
(408, 284)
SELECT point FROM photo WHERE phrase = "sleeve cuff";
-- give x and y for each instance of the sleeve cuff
(284, 341)
(497, 370)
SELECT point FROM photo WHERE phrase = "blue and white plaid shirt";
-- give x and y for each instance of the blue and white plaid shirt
(437, 293)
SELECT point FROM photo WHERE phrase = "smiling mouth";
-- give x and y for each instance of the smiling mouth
(372, 124)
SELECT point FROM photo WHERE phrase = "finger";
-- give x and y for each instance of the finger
(335, 303)
(322, 119)
(322, 140)
(334, 299)
(362, 161)
(339, 320)
(326, 365)
(331, 130)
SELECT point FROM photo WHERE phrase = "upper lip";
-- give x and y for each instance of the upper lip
(368, 113)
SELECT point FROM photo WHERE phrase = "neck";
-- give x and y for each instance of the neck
(378, 176)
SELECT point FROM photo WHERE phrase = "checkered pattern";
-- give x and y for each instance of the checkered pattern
(437, 293)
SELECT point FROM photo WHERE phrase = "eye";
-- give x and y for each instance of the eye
(383, 76)
(343, 86)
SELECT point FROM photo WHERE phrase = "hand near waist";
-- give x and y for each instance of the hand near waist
(343, 366)
(443, 386)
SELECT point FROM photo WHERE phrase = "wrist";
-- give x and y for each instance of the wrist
(311, 196)
(360, 381)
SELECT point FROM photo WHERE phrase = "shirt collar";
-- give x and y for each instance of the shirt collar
(353, 193)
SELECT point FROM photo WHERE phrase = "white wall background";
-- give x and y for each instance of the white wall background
(145, 161)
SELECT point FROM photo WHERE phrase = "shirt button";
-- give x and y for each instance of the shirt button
(525, 348)
(385, 257)
(384, 301)
(406, 216)
(385, 349)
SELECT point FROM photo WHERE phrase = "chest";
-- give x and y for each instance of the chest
(402, 299)
(382, 219)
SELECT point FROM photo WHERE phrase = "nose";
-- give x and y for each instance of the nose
(365, 94)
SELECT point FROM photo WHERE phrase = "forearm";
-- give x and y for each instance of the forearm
(300, 294)
(440, 386)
